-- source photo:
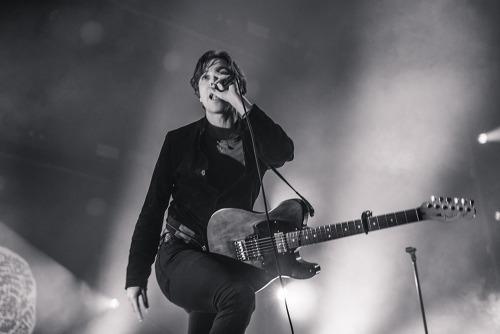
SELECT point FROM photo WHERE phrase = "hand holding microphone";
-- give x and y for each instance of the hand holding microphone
(223, 84)
(239, 102)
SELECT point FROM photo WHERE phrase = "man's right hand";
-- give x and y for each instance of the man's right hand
(133, 294)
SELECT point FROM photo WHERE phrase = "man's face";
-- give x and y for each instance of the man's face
(217, 69)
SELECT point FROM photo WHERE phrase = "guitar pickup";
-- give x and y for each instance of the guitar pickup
(281, 246)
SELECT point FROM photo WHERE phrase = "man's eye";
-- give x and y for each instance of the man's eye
(204, 76)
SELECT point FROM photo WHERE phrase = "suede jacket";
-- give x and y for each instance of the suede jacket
(180, 174)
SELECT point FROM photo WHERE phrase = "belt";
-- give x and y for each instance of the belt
(176, 230)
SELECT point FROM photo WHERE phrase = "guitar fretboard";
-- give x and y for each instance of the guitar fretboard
(335, 231)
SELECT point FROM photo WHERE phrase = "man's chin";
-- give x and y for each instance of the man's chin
(219, 108)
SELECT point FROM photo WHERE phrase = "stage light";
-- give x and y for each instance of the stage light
(99, 302)
(490, 136)
(281, 293)
(482, 138)
(114, 303)
(301, 297)
(497, 216)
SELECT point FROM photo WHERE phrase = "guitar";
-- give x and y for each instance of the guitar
(244, 235)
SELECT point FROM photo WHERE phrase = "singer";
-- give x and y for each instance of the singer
(203, 167)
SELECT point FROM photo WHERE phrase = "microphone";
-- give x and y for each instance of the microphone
(224, 84)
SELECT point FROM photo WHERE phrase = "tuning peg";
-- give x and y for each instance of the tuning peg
(448, 203)
(453, 203)
(470, 205)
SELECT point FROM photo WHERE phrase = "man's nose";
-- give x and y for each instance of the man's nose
(213, 79)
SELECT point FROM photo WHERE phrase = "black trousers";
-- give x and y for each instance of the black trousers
(218, 292)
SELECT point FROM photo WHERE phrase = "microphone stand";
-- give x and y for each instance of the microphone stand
(259, 172)
(411, 251)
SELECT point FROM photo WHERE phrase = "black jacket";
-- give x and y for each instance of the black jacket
(180, 173)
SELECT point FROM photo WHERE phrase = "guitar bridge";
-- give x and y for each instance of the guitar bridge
(241, 253)
(248, 249)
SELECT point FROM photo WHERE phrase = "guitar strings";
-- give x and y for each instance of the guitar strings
(263, 245)
(328, 232)
(269, 241)
(267, 244)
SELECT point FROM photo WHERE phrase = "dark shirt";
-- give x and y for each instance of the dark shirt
(225, 155)
(181, 174)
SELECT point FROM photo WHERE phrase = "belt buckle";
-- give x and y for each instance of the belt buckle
(165, 238)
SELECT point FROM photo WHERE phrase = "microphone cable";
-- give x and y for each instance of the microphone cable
(259, 173)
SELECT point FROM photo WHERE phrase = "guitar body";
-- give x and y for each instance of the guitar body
(230, 230)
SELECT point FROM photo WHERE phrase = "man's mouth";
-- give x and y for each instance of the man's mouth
(212, 97)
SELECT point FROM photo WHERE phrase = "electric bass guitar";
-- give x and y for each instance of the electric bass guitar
(245, 235)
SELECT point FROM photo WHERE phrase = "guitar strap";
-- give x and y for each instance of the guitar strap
(309, 206)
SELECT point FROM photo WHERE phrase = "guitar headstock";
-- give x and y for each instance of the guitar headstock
(448, 209)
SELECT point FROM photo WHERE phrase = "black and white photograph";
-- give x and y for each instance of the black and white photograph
(257, 167)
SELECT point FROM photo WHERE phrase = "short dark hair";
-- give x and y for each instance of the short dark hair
(207, 59)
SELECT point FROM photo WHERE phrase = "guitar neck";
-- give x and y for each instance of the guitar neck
(324, 233)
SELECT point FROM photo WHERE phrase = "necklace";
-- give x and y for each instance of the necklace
(226, 144)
